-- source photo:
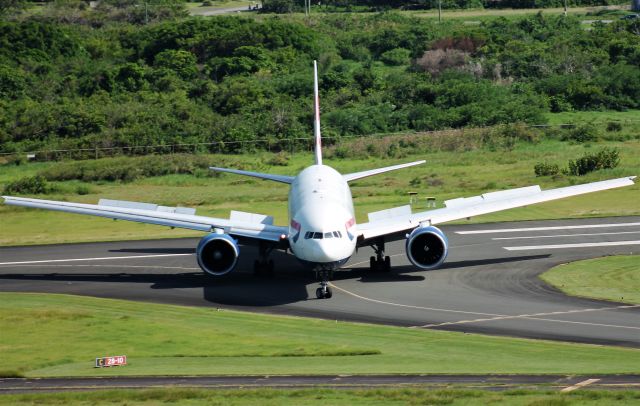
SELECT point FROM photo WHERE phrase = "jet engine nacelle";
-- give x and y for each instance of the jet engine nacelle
(427, 247)
(217, 254)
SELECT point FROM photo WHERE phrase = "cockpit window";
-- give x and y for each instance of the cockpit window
(319, 236)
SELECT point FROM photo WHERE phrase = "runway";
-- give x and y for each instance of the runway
(489, 283)
(562, 383)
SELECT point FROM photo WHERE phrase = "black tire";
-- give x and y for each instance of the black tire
(372, 264)
(387, 264)
(319, 293)
(256, 268)
(328, 294)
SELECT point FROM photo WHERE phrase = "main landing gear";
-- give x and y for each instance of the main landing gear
(263, 266)
(324, 291)
(379, 263)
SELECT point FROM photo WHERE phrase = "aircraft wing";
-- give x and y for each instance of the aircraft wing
(394, 223)
(248, 225)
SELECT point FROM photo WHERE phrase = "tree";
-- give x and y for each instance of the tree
(7, 6)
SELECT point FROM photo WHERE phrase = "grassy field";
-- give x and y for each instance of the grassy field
(610, 278)
(476, 16)
(447, 174)
(59, 335)
(405, 396)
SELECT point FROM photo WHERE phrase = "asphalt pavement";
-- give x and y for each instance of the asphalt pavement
(489, 284)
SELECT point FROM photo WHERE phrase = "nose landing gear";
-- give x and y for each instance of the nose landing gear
(324, 291)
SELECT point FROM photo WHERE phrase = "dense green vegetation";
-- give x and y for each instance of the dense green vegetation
(224, 81)
(610, 278)
(283, 6)
(164, 340)
(322, 397)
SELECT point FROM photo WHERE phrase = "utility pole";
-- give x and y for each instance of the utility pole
(565, 8)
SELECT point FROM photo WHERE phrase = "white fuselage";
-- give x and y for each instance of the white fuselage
(322, 227)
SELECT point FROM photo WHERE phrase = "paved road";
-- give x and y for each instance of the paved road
(492, 382)
(487, 285)
(211, 11)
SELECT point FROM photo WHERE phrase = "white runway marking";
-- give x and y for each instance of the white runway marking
(579, 385)
(563, 235)
(112, 266)
(516, 230)
(494, 317)
(536, 316)
(580, 245)
(92, 259)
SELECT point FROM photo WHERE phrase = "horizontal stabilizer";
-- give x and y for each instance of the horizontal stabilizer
(245, 217)
(267, 176)
(145, 206)
(359, 175)
(389, 213)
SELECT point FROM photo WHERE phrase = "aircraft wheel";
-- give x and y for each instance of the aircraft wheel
(328, 293)
(319, 293)
(387, 264)
(372, 264)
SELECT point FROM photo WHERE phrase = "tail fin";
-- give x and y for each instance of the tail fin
(316, 123)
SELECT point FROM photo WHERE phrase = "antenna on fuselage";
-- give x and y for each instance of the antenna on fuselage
(316, 123)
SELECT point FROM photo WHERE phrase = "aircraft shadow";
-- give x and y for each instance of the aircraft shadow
(292, 282)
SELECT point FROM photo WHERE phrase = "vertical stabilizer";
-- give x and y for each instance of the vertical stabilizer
(316, 123)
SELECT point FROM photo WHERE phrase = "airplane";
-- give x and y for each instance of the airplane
(322, 232)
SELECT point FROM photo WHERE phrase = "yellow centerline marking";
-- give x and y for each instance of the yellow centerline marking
(497, 317)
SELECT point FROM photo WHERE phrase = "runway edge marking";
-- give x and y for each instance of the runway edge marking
(562, 235)
(516, 230)
(92, 259)
(577, 245)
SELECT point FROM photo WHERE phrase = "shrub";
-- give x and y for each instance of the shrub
(603, 159)
(545, 169)
(438, 60)
(279, 159)
(583, 133)
(29, 185)
(83, 190)
(614, 126)
(396, 57)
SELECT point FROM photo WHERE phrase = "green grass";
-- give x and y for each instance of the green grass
(403, 396)
(610, 278)
(58, 335)
(447, 174)
(629, 117)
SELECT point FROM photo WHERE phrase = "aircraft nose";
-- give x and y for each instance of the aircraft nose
(322, 253)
